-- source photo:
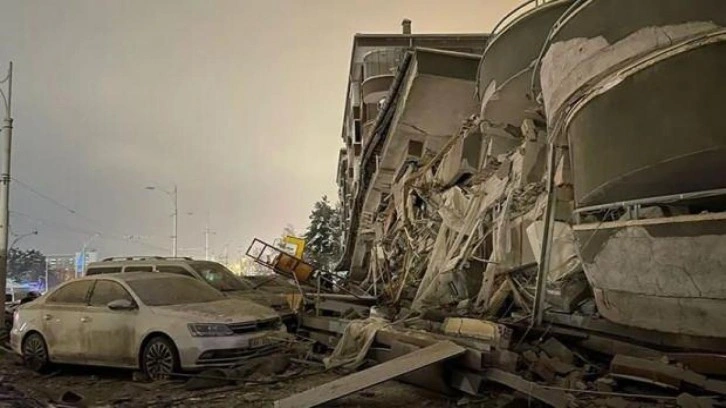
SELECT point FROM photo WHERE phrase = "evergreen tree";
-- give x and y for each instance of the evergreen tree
(323, 236)
(26, 265)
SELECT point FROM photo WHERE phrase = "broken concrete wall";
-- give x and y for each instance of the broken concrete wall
(462, 160)
(661, 263)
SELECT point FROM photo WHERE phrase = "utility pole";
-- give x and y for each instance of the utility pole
(5, 183)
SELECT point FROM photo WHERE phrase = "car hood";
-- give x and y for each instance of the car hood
(267, 299)
(221, 311)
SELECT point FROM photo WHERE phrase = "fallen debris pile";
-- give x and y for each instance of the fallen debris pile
(572, 368)
(524, 227)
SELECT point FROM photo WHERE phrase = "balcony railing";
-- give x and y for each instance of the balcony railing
(382, 62)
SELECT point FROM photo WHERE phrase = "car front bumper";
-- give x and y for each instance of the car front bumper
(290, 319)
(16, 340)
(202, 352)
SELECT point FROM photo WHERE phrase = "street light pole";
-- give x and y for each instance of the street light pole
(206, 242)
(175, 216)
(5, 183)
(83, 253)
(207, 231)
(46, 275)
(19, 237)
(175, 236)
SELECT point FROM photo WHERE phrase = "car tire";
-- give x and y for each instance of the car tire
(159, 358)
(35, 352)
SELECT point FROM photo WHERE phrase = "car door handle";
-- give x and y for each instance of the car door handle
(47, 317)
(85, 319)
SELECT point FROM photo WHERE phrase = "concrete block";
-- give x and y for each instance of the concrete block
(555, 349)
(501, 145)
(543, 370)
(530, 356)
(496, 334)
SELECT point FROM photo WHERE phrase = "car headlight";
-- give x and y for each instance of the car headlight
(209, 330)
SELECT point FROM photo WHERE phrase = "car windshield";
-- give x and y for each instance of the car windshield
(220, 277)
(165, 291)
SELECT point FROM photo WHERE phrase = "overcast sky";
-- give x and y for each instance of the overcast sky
(237, 102)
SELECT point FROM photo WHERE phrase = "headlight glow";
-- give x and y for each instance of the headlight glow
(209, 330)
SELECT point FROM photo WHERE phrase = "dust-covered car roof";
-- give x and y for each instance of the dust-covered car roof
(134, 276)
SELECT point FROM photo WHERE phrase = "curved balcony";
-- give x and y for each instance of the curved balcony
(634, 88)
(587, 44)
(504, 77)
(526, 34)
(376, 88)
(614, 126)
(379, 70)
(382, 62)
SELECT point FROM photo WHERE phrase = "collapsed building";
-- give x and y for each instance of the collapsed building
(560, 177)
(578, 142)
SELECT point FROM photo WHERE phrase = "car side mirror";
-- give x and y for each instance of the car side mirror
(121, 304)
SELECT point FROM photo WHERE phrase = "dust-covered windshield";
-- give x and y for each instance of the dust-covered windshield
(220, 277)
(166, 291)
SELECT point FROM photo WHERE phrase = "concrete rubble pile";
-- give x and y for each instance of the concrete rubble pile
(529, 239)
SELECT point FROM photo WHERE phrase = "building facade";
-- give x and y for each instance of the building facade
(406, 93)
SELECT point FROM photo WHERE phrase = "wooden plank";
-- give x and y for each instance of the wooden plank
(655, 371)
(660, 372)
(473, 358)
(372, 376)
(612, 347)
(702, 363)
(430, 377)
(651, 337)
(555, 398)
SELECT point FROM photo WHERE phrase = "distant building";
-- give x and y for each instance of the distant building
(60, 268)
(80, 263)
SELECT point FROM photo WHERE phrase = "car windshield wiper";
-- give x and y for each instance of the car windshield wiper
(231, 289)
(264, 282)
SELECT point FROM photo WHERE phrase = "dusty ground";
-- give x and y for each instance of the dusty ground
(20, 387)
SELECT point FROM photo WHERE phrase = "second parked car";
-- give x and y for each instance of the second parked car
(212, 273)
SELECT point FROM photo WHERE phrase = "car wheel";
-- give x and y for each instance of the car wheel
(159, 358)
(8, 323)
(35, 352)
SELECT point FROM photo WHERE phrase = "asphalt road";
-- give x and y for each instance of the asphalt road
(104, 387)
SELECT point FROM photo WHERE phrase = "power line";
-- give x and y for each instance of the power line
(53, 200)
(36, 191)
(105, 236)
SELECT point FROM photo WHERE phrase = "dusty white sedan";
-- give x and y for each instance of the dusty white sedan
(157, 322)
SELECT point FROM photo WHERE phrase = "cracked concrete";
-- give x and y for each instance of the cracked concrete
(667, 276)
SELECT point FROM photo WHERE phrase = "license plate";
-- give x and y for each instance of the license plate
(259, 342)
